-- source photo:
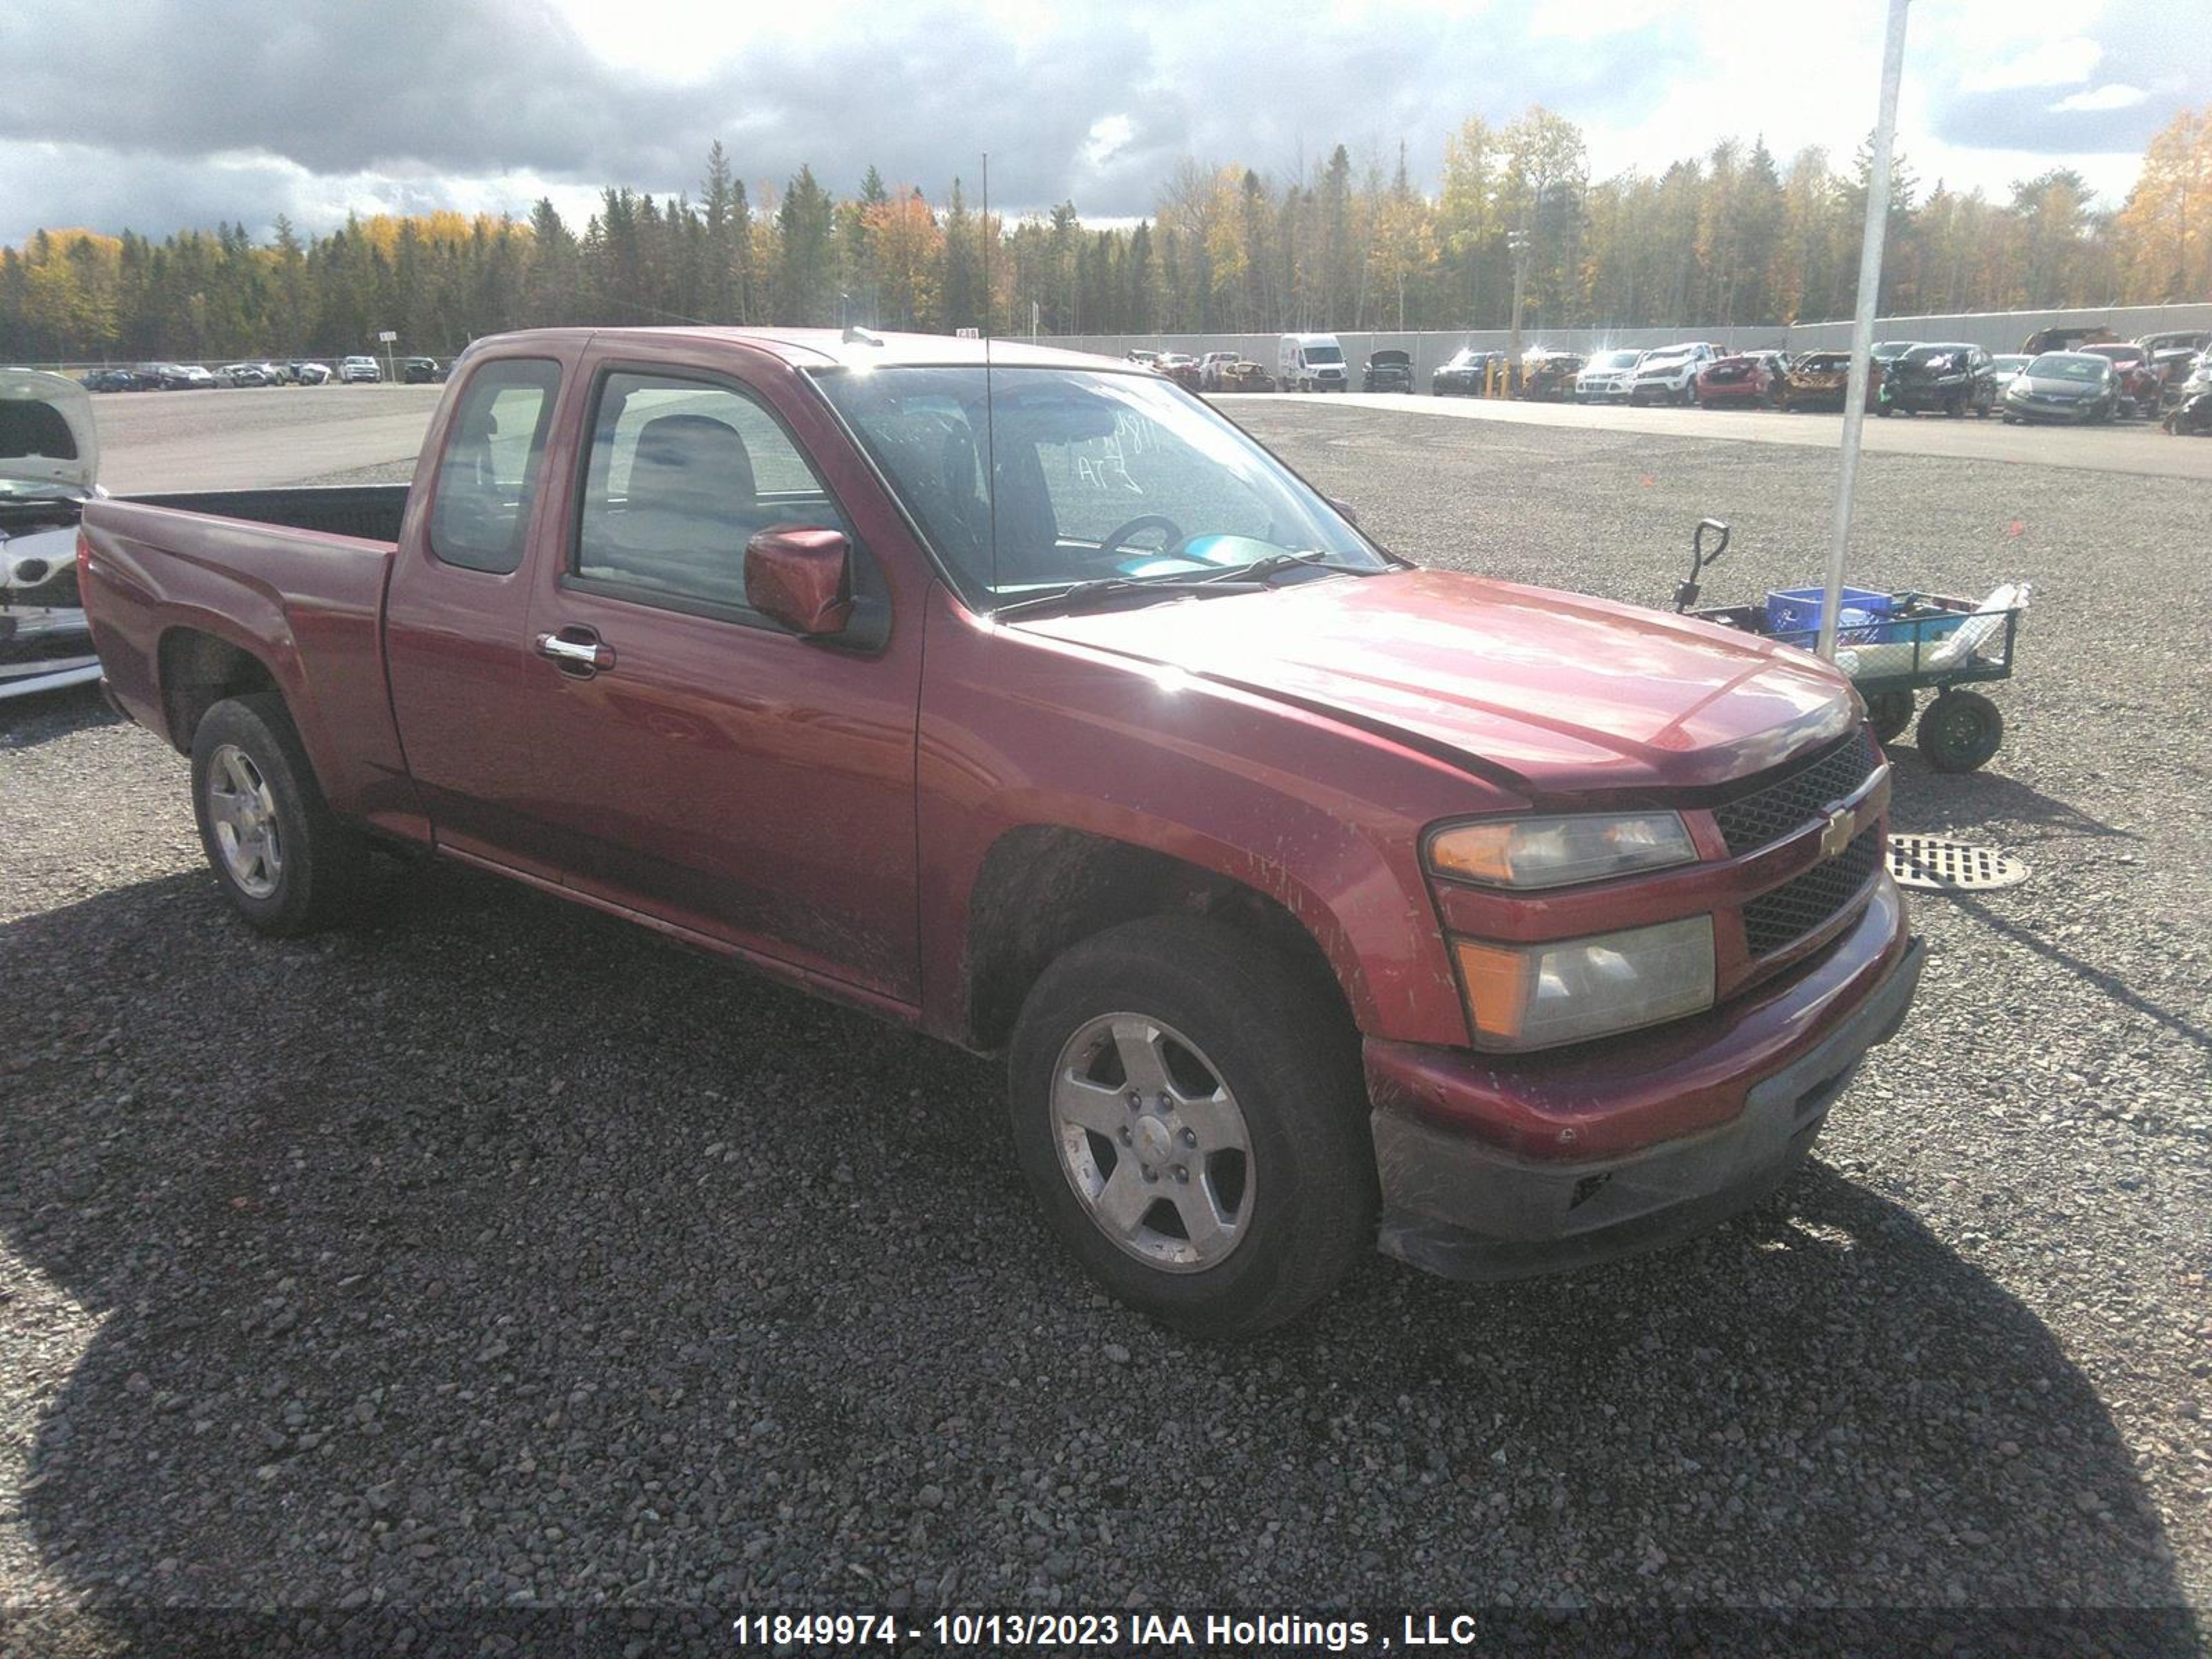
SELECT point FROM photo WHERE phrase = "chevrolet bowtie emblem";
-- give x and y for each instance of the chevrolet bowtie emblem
(1836, 833)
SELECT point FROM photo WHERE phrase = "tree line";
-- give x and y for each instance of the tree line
(1733, 237)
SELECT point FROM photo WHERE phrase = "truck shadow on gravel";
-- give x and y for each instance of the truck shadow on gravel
(493, 1251)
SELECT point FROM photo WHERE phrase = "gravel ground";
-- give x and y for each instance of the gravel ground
(494, 1254)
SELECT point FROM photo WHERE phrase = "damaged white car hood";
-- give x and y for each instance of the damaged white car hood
(47, 438)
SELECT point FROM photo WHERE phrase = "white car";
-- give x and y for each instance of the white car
(1670, 374)
(48, 457)
(359, 371)
(1605, 378)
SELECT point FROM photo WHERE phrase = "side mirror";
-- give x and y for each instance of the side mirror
(1343, 510)
(802, 577)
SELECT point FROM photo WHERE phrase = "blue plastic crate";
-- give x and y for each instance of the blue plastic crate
(1796, 611)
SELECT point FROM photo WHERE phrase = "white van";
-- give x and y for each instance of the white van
(1310, 362)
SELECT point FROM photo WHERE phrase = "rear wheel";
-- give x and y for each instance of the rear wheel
(284, 861)
(1189, 1112)
(1959, 731)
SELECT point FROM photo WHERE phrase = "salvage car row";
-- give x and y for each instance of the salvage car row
(2073, 375)
(357, 370)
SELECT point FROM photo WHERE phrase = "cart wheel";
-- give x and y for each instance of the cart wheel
(1959, 731)
(1890, 712)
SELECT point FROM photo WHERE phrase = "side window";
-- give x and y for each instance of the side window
(489, 476)
(682, 474)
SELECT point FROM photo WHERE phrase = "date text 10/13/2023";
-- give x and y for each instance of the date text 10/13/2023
(1165, 1631)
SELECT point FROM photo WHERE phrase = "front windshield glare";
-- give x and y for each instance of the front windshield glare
(1098, 476)
(2060, 368)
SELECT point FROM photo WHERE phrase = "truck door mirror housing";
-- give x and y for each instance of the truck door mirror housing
(1343, 510)
(801, 576)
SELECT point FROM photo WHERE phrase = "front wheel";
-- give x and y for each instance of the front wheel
(284, 861)
(1188, 1110)
(1889, 713)
(1959, 731)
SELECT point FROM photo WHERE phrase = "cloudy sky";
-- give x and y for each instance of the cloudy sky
(157, 115)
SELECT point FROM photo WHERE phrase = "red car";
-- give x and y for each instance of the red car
(2141, 385)
(1180, 368)
(1316, 901)
(1750, 379)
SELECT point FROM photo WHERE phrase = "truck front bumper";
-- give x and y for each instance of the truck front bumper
(1460, 1199)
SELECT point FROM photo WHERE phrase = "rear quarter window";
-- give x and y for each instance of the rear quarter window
(488, 477)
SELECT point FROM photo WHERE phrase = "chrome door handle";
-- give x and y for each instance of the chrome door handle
(590, 655)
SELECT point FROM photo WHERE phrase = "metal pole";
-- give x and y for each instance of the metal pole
(1870, 295)
(1518, 241)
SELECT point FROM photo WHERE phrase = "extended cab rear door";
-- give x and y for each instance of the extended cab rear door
(456, 639)
(710, 768)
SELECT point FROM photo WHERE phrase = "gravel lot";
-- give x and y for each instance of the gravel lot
(494, 1254)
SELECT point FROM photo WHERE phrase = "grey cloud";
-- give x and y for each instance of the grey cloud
(2163, 46)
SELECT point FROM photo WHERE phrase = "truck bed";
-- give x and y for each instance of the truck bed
(179, 587)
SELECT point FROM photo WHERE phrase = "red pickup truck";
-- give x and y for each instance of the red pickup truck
(1317, 900)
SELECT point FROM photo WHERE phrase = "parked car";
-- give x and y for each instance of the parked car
(2142, 389)
(117, 380)
(1334, 903)
(1669, 374)
(1465, 373)
(49, 463)
(243, 374)
(359, 371)
(1605, 378)
(187, 377)
(2003, 366)
(301, 372)
(1745, 380)
(1210, 365)
(1953, 378)
(1143, 358)
(1821, 379)
(1548, 376)
(2173, 354)
(2191, 418)
(418, 371)
(1179, 366)
(1311, 362)
(1387, 370)
(1242, 374)
(2066, 338)
(2199, 377)
(2074, 386)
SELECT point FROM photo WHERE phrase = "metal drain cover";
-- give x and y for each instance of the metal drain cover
(1955, 867)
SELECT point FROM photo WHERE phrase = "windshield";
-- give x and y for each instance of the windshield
(2067, 366)
(1324, 354)
(1615, 359)
(1466, 358)
(1664, 359)
(1921, 357)
(2008, 365)
(1098, 476)
(1824, 363)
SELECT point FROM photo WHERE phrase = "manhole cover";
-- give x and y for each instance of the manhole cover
(1950, 865)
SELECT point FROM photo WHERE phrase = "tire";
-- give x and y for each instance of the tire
(1889, 713)
(1955, 410)
(1959, 731)
(1206, 1004)
(252, 778)
(1884, 410)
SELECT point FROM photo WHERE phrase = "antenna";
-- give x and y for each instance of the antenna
(990, 421)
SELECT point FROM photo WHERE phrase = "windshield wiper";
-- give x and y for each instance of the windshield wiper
(1112, 588)
(1272, 562)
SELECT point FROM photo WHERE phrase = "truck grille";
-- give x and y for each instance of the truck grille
(1797, 798)
(1775, 920)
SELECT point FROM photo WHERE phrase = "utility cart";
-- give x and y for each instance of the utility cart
(1893, 645)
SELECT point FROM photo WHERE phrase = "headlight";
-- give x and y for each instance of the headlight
(1526, 853)
(1537, 996)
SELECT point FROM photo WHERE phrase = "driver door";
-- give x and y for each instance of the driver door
(705, 766)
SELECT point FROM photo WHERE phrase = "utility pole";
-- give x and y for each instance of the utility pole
(1870, 295)
(1517, 241)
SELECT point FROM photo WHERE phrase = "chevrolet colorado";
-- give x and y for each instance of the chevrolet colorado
(1317, 901)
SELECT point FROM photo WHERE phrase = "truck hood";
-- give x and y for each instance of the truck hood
(41, 414)
(1552, 693)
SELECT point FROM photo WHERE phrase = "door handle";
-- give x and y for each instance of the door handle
(577, 651)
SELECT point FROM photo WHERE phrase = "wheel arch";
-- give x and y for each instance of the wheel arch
(196, 669)
(1041, 889)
